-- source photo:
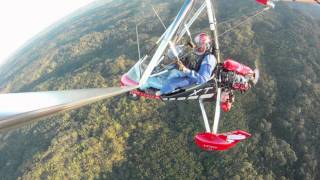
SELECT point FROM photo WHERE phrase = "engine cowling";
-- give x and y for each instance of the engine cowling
(238, 68)
(266, 3)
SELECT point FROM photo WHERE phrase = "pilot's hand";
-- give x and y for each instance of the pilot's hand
(191, 44)
(180, 66)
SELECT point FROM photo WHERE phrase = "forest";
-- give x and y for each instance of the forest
(123, 139)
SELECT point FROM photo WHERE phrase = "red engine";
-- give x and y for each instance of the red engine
(269, 3)
(263, 2)
(241, 69)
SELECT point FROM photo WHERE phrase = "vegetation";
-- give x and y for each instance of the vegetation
(123, 139)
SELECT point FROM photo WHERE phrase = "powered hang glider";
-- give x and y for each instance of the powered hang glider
(18, 109)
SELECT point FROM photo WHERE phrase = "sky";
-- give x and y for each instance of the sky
(21, 20)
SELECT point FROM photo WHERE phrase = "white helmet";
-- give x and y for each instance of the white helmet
(202, 43)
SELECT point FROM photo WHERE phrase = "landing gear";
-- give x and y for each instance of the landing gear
(220, 142)
(213, 141)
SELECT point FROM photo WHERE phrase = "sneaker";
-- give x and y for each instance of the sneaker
(152, 91)
(158, 93)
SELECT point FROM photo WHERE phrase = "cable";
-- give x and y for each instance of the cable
(237, 18)
(159, 18)
(244, 21)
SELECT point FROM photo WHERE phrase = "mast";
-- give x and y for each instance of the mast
(214, 29)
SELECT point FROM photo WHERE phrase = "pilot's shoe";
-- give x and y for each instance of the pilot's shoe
(152, 91)
(158, 93)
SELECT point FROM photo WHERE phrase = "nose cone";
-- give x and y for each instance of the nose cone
(126, 81)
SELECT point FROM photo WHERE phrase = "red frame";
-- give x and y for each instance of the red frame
(126, 81)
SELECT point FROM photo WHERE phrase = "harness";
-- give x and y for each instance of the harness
(199, 61)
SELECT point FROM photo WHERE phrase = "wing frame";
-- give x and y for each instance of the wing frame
(16, 115)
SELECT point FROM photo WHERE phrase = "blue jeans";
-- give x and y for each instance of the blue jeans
(174, 83)
(161, 81)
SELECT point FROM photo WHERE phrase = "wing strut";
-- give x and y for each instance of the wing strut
(18, 109)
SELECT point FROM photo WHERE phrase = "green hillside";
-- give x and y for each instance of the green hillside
(123, 139)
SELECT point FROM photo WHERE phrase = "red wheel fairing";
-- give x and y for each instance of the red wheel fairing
(220, 142)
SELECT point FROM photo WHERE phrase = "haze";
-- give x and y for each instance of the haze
(21, 20)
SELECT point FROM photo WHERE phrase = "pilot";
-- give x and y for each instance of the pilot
(235, 77)
(196, 73)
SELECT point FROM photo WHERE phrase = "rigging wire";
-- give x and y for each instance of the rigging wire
(156, 13)
(235, 19)
(172, 45)
(138, 43)
(244, 21)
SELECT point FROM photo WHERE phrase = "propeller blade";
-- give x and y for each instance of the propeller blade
(17, 109)
(304, 1)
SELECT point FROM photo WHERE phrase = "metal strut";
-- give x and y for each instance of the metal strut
(204, 115)
(217, 111)
(216, 49)
(214, 29)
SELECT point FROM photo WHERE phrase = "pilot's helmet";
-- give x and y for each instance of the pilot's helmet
(202, 43)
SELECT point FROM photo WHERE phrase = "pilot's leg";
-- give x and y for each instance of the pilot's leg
(156, 82)
(174, 73)
(153, 82)
(175, 83)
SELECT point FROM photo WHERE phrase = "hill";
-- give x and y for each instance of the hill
(123, 139)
